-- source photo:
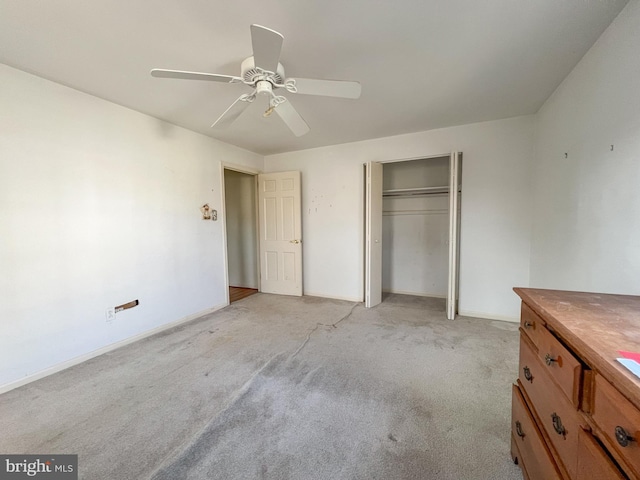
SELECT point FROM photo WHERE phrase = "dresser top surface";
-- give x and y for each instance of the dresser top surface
(595, 326)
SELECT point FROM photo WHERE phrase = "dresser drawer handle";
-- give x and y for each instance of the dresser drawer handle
(527, 374)
(549, 360)
(557, 424)
(623, 437)
(528, 324)
(519, 431)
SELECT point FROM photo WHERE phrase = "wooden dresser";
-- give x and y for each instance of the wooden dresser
(576, 410)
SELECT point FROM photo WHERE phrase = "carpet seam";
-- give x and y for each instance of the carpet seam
(318, 325)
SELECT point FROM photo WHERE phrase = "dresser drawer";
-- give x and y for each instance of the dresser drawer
(593, 461)
(618, 419)
(535, 458)
(565, 369)
(559, 418)
(531, 324)
(530, 367)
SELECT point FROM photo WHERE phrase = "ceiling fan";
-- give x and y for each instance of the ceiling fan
(265, 74)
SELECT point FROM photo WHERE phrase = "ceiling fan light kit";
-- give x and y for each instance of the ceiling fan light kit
(264, 73)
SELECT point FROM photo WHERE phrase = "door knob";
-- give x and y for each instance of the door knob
(294, 241)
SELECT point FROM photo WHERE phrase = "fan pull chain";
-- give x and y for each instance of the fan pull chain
(273, 103)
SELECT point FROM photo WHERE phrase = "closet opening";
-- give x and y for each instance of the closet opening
(417, 236)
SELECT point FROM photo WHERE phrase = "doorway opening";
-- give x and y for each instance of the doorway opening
(241, 226)
(262, 234)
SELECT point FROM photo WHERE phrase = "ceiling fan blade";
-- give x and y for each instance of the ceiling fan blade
(267, 45)
(292, 118)
(328, 88)
(180, 74)
(232, 113)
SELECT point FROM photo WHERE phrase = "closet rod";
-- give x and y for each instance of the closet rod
(403, 192)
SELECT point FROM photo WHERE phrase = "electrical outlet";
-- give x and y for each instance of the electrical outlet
(214, 215)
(110, 314)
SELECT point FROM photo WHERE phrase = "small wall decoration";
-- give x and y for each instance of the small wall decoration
(206, 212)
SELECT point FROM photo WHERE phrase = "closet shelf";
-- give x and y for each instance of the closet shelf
(405, 192)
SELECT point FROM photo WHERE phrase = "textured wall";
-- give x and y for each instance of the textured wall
(586, 233)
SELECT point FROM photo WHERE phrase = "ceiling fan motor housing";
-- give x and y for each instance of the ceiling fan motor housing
(252, 75)
(263, 87)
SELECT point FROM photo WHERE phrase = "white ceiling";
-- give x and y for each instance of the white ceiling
(423, 64)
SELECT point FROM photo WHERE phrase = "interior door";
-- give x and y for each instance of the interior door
(452, 288)
(373, 233)
(280, 233)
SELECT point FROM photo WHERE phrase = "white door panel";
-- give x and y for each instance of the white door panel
(279, 197)
(373, 250)
(452, 290)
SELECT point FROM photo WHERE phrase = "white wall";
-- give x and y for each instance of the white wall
(415, 249)
(415, 229)
(495, 231)
(242, 236)
(100, 206)
(586, 229)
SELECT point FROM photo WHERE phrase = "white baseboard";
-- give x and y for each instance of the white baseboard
(489, 316)
(108, 348)
(334, 297)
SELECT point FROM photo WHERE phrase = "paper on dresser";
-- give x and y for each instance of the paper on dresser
(632, 365)
(630, 355)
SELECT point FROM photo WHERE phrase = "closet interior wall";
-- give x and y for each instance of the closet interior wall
(415, 227)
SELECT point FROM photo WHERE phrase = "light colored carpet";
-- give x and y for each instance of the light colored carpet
(285, 388)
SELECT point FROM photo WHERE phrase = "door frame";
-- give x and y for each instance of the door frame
(223, 218)
(454, 262)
